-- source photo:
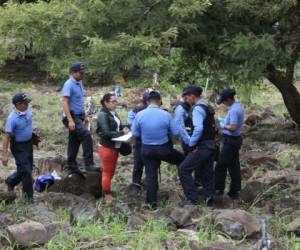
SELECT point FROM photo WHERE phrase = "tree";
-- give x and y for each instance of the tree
(238, 40)
(247, 40)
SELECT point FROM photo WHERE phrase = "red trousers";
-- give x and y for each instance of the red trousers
(108, 158)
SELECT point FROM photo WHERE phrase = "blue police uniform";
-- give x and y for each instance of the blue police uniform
(202, 147)
(74, 90)
(183, 120)
(229, 155)
(154, 126)
(19, 126)
(138, 163)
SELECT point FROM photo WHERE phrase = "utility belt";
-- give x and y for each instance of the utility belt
(236, 141)
(65, 118)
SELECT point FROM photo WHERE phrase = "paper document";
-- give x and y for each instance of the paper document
(123, 138)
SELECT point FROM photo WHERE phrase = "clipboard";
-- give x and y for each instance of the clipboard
(123, 138)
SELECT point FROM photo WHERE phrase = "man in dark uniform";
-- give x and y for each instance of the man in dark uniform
(138, 163)
(18, 133)
(202, 148)
(232, 142)
(154, 126)
(183, 119)
(76, 121)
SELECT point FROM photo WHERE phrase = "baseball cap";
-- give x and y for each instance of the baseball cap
(192, 89)
(225, 94)
(77, 66)
(20, 98)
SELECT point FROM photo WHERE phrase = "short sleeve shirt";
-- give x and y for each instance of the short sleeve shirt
(75, 91)
(235, 116)
(19, 125)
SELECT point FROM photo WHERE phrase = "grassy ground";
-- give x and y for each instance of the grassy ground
(111, 230)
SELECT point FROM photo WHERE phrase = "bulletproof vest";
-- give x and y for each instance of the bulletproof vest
(209, 124)
(188, 121)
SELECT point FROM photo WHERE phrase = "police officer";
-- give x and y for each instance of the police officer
(138, 163)
(154, 125)
(232, 142)
(183, 119)
(75, 119)
(202, 148)
(18, 133)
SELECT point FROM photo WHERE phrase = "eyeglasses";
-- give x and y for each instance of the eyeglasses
(113, 101)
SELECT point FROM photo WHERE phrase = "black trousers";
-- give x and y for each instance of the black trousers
(203, 161)
(81, 135)
(23, 154)
(229, 160)
(153, 155)
(197, 173)
(138, 163)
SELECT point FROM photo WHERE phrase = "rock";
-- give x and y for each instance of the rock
(40, 212)
(53, 229)
(135, 222)
(7, 197)
(294, 226)
(48, 164)
(232, 228)
(218, 246)
(181, 216)
(237, 223)
(75, 184)
(251, 191)
(287, 175)
(273, 244)
(28, 233)
(259, 158)
(80, 209)
(192, 238)
(6, 219)
(253, 119)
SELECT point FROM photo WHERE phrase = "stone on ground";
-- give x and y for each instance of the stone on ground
(135, 222)
(294, 226)
(251, 191)
(79, 208)
(218, 246)
(181, 216)
(28, 233)
(75, 184)
(7, 196)
(237, 223)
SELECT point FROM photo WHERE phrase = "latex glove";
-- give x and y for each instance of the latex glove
(222, 122)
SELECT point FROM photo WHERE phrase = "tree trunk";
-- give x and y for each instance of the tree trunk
(288, 90)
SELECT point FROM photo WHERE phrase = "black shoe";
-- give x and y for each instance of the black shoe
(135, 186)
(233, 195)
(187, 202)
(76, 171)
(209, 201)
(219, 192)
(92, 168)
(10, 188)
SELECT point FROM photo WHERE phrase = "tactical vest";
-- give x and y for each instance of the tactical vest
(188, 121)
(209, 124)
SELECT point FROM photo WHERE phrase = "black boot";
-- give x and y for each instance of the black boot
(92, 168)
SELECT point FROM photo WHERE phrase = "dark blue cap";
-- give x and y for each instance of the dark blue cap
(20, 98)
(154, 95)
(77, 66)
(225, 94)
(192, 90)
(145, 97)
